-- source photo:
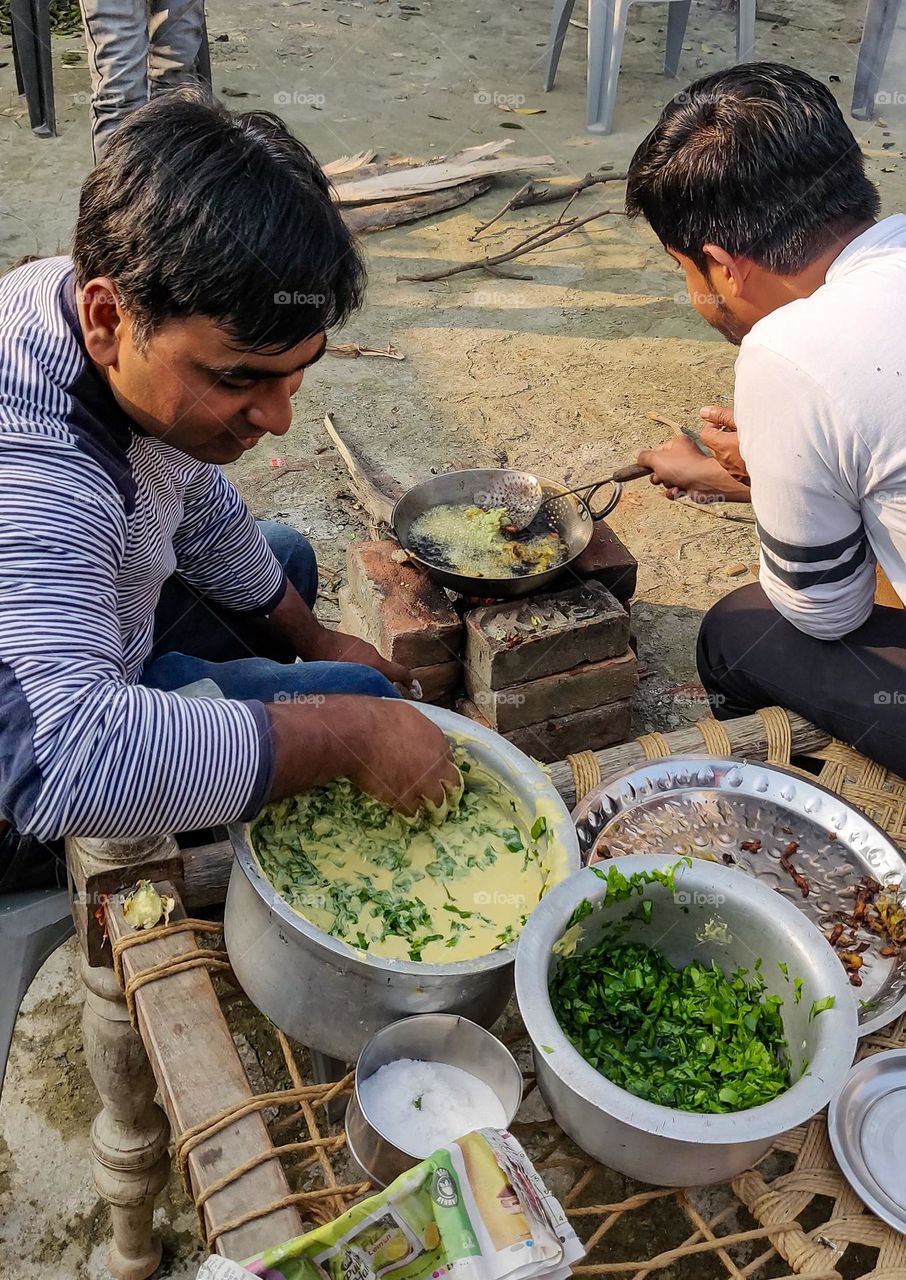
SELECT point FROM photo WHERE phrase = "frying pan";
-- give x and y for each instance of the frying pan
(572, 518)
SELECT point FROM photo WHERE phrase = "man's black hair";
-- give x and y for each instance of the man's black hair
(195, 211)
(757, 160)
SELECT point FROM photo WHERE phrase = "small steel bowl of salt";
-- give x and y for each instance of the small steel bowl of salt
(422, 1082)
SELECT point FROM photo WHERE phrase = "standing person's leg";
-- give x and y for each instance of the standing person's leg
(176, 29)
(855, 688)
(116, 37)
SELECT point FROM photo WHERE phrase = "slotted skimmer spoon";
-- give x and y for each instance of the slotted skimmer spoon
(523, 497)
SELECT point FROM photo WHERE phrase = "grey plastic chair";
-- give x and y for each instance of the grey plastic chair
(606, 32)
(877, 32)
(30, 24)
(32, 926)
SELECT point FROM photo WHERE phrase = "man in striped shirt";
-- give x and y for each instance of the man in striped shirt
(208, 263)
(755, 186)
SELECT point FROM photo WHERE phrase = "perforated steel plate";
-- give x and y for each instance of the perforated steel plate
(708, 808)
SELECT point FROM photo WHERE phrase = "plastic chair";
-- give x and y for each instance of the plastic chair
(877, 32)
(606, 32)
(32, 925)
(30, 25)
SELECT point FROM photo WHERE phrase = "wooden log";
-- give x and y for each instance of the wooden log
(199, 1073)
(376, 490)
(746, 735)
(393, 213)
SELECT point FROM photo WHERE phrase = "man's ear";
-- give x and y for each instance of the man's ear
(102, 319)
(734, 271)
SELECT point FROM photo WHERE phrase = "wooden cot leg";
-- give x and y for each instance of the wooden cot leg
(130, 1135)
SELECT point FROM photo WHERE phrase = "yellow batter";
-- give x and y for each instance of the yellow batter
(410, 889)
(471, 541)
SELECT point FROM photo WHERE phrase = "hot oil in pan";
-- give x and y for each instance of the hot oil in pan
(462, 538)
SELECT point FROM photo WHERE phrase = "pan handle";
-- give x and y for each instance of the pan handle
(609, 504)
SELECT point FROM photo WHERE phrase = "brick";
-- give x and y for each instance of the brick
(440, 683)
(591, 684)
(405, 615)
(609, 562)
(560, 736)
(513, 641)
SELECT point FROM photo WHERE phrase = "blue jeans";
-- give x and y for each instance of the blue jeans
(196, 639)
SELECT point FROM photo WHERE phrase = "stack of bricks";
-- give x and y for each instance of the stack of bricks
(552, 672)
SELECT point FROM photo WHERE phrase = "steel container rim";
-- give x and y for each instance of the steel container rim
(494, 746)
(387, 1032)
(828, 1066)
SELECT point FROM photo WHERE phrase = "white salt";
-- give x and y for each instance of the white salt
(421, 1106)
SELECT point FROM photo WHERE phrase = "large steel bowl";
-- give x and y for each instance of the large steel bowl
(332, 998)
(715, 913)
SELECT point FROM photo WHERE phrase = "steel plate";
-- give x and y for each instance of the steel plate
(706, 807)
(867, 1128)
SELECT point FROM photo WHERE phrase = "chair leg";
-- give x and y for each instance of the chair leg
(880, 21)
(560, 16)
(677, 18)
(606, 32)
(745, 30)
(30, 20)
(203, 65)
(26, 940)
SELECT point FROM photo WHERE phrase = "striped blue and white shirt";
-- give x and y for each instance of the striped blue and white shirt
(94, 517)
(820, 405)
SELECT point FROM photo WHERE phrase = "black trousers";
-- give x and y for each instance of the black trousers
(855, 688)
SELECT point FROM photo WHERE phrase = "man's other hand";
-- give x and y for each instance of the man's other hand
(684, 471)
(719, 435)
(336, 646)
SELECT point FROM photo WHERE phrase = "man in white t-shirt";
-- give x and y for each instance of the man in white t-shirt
(754, 183)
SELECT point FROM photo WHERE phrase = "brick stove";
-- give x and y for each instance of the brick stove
(553, 672)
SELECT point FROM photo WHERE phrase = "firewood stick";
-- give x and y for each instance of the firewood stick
(529, 195)
(552, 191)
(537, 241)
(510, 204)
(747, 738)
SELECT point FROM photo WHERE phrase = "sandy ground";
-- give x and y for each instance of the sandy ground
(555, 372)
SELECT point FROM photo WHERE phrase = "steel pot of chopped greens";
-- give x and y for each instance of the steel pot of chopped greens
(682, 1016)
(343, 916)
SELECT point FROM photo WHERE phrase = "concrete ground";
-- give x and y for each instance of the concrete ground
(555, 372)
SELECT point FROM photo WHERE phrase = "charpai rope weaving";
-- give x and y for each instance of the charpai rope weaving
(791, 1216)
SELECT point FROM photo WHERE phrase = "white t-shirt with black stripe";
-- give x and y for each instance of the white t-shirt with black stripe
(94, 517)
(820, 405)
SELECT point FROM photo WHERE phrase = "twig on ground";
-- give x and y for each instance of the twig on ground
(352, 351)
(526, 186)
(528, 195)
(545, 235)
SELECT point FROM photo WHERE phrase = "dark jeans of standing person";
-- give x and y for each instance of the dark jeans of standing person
(855, 688)
(196, 639)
